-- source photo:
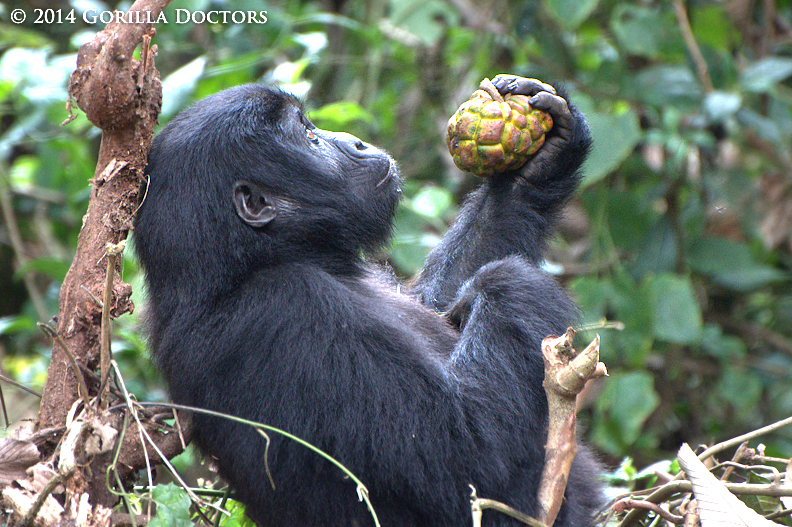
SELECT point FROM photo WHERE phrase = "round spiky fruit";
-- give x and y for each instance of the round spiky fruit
(491, 133)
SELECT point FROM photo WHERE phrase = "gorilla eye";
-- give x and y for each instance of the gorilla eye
(312, 137)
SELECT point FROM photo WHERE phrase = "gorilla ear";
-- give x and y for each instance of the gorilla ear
(252, 204)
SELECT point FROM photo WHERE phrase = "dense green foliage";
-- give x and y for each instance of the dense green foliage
(682, 231)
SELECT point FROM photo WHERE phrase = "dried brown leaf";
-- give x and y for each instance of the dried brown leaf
(717, 506)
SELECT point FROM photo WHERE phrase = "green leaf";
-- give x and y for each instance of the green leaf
(339, 115)
(21, 37)
(179, 85)
(16, 324)
(719, 105)
(731, 264)
(328, 19)
(628, 223)
(762, 504)
(433, 202)
(622, 299)
(763, 75)
(741, 388)
(173, 506)
(424, 19)
(763, 127)
(23, 172)
(40, 77)
(410, 244)
(711, 26)
(625, 403)
(712, 256)
(21, 129)
(723, 347)
(638, 29)
(51, 267)
(677, 315)
(659, 250)
(615, 133)
(570, 13)
(236, 517)
(667, 85)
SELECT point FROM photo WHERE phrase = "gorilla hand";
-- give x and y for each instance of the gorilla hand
(565, 144)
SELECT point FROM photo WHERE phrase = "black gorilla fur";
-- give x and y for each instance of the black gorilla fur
(262, 306)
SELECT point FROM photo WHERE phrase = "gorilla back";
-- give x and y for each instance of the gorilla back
(252, 236)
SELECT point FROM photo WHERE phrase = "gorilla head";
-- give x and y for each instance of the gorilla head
(250, 155)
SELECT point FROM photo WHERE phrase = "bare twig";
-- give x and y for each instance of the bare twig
(82, 387)
(780, 514)
(692, 518)
(725, 445)
(478, 505)
(16, 384)
(629, 503)
(690, 41)
(566, 373)
(738, 456)
(6, 420)
(7, 206)
(677, 485)
(113, 251)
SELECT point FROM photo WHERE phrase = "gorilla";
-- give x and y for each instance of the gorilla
(253, 236)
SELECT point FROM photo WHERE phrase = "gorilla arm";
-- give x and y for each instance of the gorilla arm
(512, 212)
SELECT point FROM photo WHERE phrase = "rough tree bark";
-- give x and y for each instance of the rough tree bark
(122, 96)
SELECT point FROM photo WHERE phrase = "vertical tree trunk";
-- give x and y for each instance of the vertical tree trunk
(122, 96)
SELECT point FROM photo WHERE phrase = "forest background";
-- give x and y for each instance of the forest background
(682, 230)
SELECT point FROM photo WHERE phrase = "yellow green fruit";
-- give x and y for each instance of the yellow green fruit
(491, 133)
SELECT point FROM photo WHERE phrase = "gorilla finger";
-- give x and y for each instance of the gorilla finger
(520, 85)
(554, 105)
(529, 87)
(502, 80)
(544, 158)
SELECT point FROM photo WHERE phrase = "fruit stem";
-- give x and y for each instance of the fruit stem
(490, 88)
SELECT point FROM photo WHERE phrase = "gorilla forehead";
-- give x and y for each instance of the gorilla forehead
(234, 113)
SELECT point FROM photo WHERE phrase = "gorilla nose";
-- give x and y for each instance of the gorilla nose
(352, 146)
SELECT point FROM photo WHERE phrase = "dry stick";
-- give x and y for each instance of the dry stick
(113, 250)
(629, 503)
(739, 454)
(30, 515)
(676, 485)
(7, 206)
(121, 96)
(179, 428)
(144, 433)
(82, 388)
(692, 517)
(725, 445)
(779, 514)
(566, 373)
(478, 505)
(690, 41)
(19, 385)
(5, 410)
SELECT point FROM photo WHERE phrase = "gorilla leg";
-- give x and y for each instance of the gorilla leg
(504, 312)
